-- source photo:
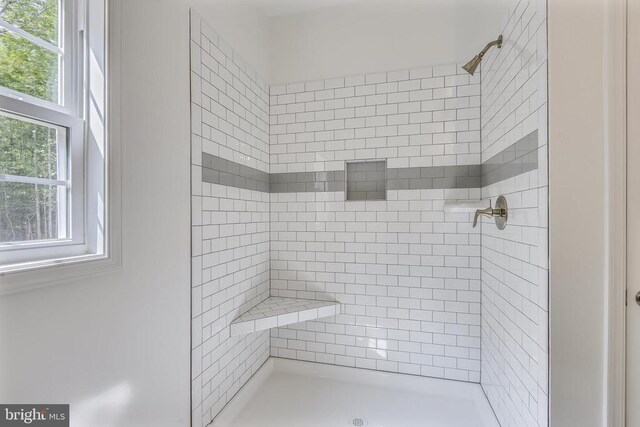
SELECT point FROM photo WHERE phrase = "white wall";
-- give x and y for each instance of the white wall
(380, 35)
(116, 347)
(243, 25)
(576, 217)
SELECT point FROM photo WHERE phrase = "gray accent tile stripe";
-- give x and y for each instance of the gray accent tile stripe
(306, 182)
(518, 158)
(514, 160)
(216, 170)
(435, 177)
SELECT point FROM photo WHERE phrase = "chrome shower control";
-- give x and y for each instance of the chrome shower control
(638, 298)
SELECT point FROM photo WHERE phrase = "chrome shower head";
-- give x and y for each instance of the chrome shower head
(471, 66)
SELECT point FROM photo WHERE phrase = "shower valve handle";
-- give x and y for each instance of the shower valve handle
(488, 212)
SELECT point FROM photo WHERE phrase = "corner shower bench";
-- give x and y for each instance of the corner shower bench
(275, 311)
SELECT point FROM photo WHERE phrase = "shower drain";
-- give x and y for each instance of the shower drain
(357, 422)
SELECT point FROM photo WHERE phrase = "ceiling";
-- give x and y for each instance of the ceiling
(273, 8)
(288, 7)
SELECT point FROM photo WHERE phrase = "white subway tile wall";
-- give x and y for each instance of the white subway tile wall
(410, 277)
(407, 273)
(425, 117)
(230, 225)
(515, 261)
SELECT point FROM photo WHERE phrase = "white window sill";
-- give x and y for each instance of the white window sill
(34, 275)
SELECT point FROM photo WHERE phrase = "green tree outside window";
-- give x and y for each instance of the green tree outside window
(28, 211)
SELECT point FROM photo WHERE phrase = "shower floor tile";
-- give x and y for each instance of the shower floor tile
(292, 393)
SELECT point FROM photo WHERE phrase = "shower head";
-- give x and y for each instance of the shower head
(470, 67)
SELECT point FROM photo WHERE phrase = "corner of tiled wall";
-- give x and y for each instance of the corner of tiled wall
(515, 261)
(230, 218)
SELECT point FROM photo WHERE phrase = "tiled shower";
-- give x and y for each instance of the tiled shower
(332, 221)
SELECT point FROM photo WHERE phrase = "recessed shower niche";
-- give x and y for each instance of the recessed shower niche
(366, 180)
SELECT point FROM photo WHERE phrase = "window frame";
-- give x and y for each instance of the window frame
(71, 31)
(13, 253)
(67, 113)
(97, 89)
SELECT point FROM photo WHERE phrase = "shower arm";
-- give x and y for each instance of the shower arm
(497, 42)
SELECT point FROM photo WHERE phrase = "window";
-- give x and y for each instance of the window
(49, 212)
